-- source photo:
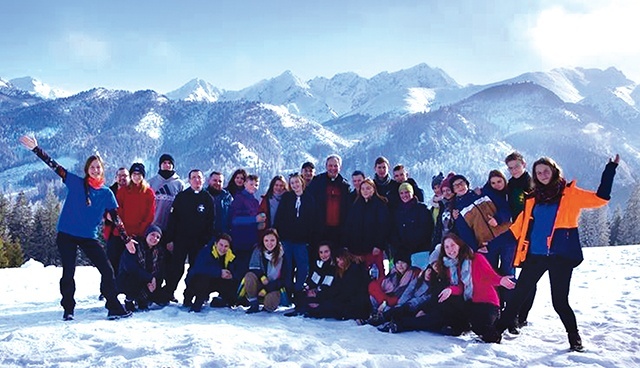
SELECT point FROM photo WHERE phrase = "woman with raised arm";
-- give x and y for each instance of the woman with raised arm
(547, 235)
(87, 200)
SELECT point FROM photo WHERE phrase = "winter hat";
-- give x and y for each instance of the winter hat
(166, 157)
(447, 181)
(437, 180)
(138, 168)
(404, 257)
(406, 186)
(433, 257)
(459, 177)
(153, 228)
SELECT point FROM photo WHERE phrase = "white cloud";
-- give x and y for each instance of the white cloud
(84, 49)
(604, 33)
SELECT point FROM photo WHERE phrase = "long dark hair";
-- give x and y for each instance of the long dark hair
(465, 251)
(273, 182)
(555, 170)
(277, 251)
(87, 164)
(231, 186)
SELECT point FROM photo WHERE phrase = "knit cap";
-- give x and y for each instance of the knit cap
(406, 186)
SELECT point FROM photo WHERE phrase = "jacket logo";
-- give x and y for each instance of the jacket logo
(200, 208)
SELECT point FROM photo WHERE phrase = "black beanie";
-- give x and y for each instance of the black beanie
(404, 257)
(139, 168)
(153, 228)
(166, 157)
(459, 177)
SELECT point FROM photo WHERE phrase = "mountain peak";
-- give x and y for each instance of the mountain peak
(38, 88)
(196, 90)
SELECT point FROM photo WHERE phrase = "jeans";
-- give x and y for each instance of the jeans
(296, 257)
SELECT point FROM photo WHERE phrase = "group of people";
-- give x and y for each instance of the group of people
(319, 243)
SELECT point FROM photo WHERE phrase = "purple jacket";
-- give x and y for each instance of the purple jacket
(244, 227)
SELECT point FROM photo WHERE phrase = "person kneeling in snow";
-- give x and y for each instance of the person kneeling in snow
(472, 277)
(265, 279)
(214, 270)
(385, 293)
(141, 272)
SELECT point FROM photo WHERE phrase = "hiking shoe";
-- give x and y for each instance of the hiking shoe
(393, 327)
(254, 307)
(67, 316)
(513, 330)
(385, 327)
(218, 302)
(129, 305)
(575, 342)
(113, 315)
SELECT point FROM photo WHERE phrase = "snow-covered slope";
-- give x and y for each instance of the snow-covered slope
(605, 294)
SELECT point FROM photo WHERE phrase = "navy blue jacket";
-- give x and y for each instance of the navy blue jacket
(367, 226)
(297, 225)
(412, 228)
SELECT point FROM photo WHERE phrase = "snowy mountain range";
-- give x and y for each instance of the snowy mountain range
(419, 116)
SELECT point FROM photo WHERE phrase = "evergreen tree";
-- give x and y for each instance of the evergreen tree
(15, 257)
(43, 237)
(21, 221)
(4, 261)
(5, 212)
(629, 231)
(614, 226)
(594, 230)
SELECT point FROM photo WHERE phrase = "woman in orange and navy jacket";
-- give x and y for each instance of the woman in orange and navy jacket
(547, 235)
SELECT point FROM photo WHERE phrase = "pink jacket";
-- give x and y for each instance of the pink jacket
(485, 280)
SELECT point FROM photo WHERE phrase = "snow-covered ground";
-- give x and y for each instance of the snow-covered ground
(605, 295)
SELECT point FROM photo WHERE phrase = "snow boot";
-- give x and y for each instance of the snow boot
(575, 342)
(129, 305)
(118, 314)
(254, 307)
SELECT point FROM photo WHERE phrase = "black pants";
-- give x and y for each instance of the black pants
(202, 285)
(533, 268)
(181, 250)
(68, 248)
(115, 247)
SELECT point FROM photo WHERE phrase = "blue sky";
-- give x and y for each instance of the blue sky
(161, 45)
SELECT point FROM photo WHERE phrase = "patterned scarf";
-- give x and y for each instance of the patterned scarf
(465, 270)
(145, 253)
(550, 193)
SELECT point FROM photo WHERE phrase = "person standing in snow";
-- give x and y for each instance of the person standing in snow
(245, 222)
(331, 193)
(296, 224)
(548, 240)
(519, 186)
(166, 185)
(366, 230)
(136, 207)
(190, 229)
(222, 201)
(236, 183)
(87, 200)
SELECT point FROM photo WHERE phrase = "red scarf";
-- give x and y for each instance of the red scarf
(95, 183)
